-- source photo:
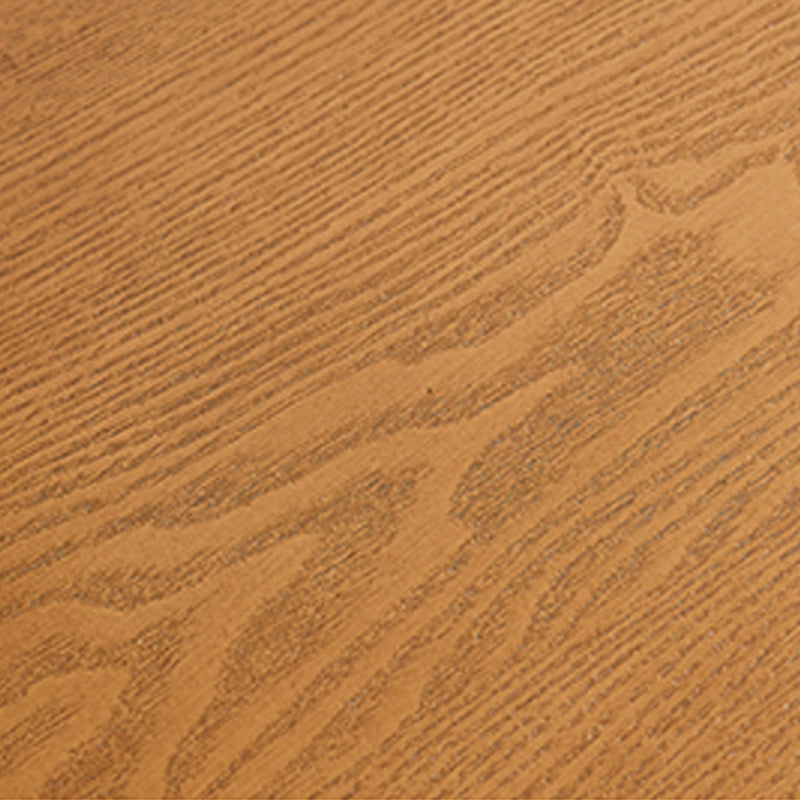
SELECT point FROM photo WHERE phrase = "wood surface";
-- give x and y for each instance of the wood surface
(400, 399)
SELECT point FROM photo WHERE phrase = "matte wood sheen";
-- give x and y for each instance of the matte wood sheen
(400, 398)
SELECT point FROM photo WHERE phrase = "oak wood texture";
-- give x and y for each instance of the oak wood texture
(400, 399)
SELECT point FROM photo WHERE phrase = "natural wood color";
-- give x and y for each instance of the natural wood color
(400, 399)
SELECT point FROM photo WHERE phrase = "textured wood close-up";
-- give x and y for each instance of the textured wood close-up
(400, 398)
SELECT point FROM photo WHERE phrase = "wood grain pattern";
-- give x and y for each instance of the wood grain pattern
(400, 399)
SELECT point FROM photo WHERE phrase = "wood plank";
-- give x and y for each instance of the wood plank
(400, 399)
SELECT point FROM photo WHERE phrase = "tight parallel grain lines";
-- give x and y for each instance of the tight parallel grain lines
(399, 399)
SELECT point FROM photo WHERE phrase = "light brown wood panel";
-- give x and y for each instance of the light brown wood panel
(400, 399)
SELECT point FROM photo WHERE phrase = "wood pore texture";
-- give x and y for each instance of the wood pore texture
(400, 399)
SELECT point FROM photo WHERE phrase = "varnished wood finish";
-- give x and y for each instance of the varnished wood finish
(400, 399)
